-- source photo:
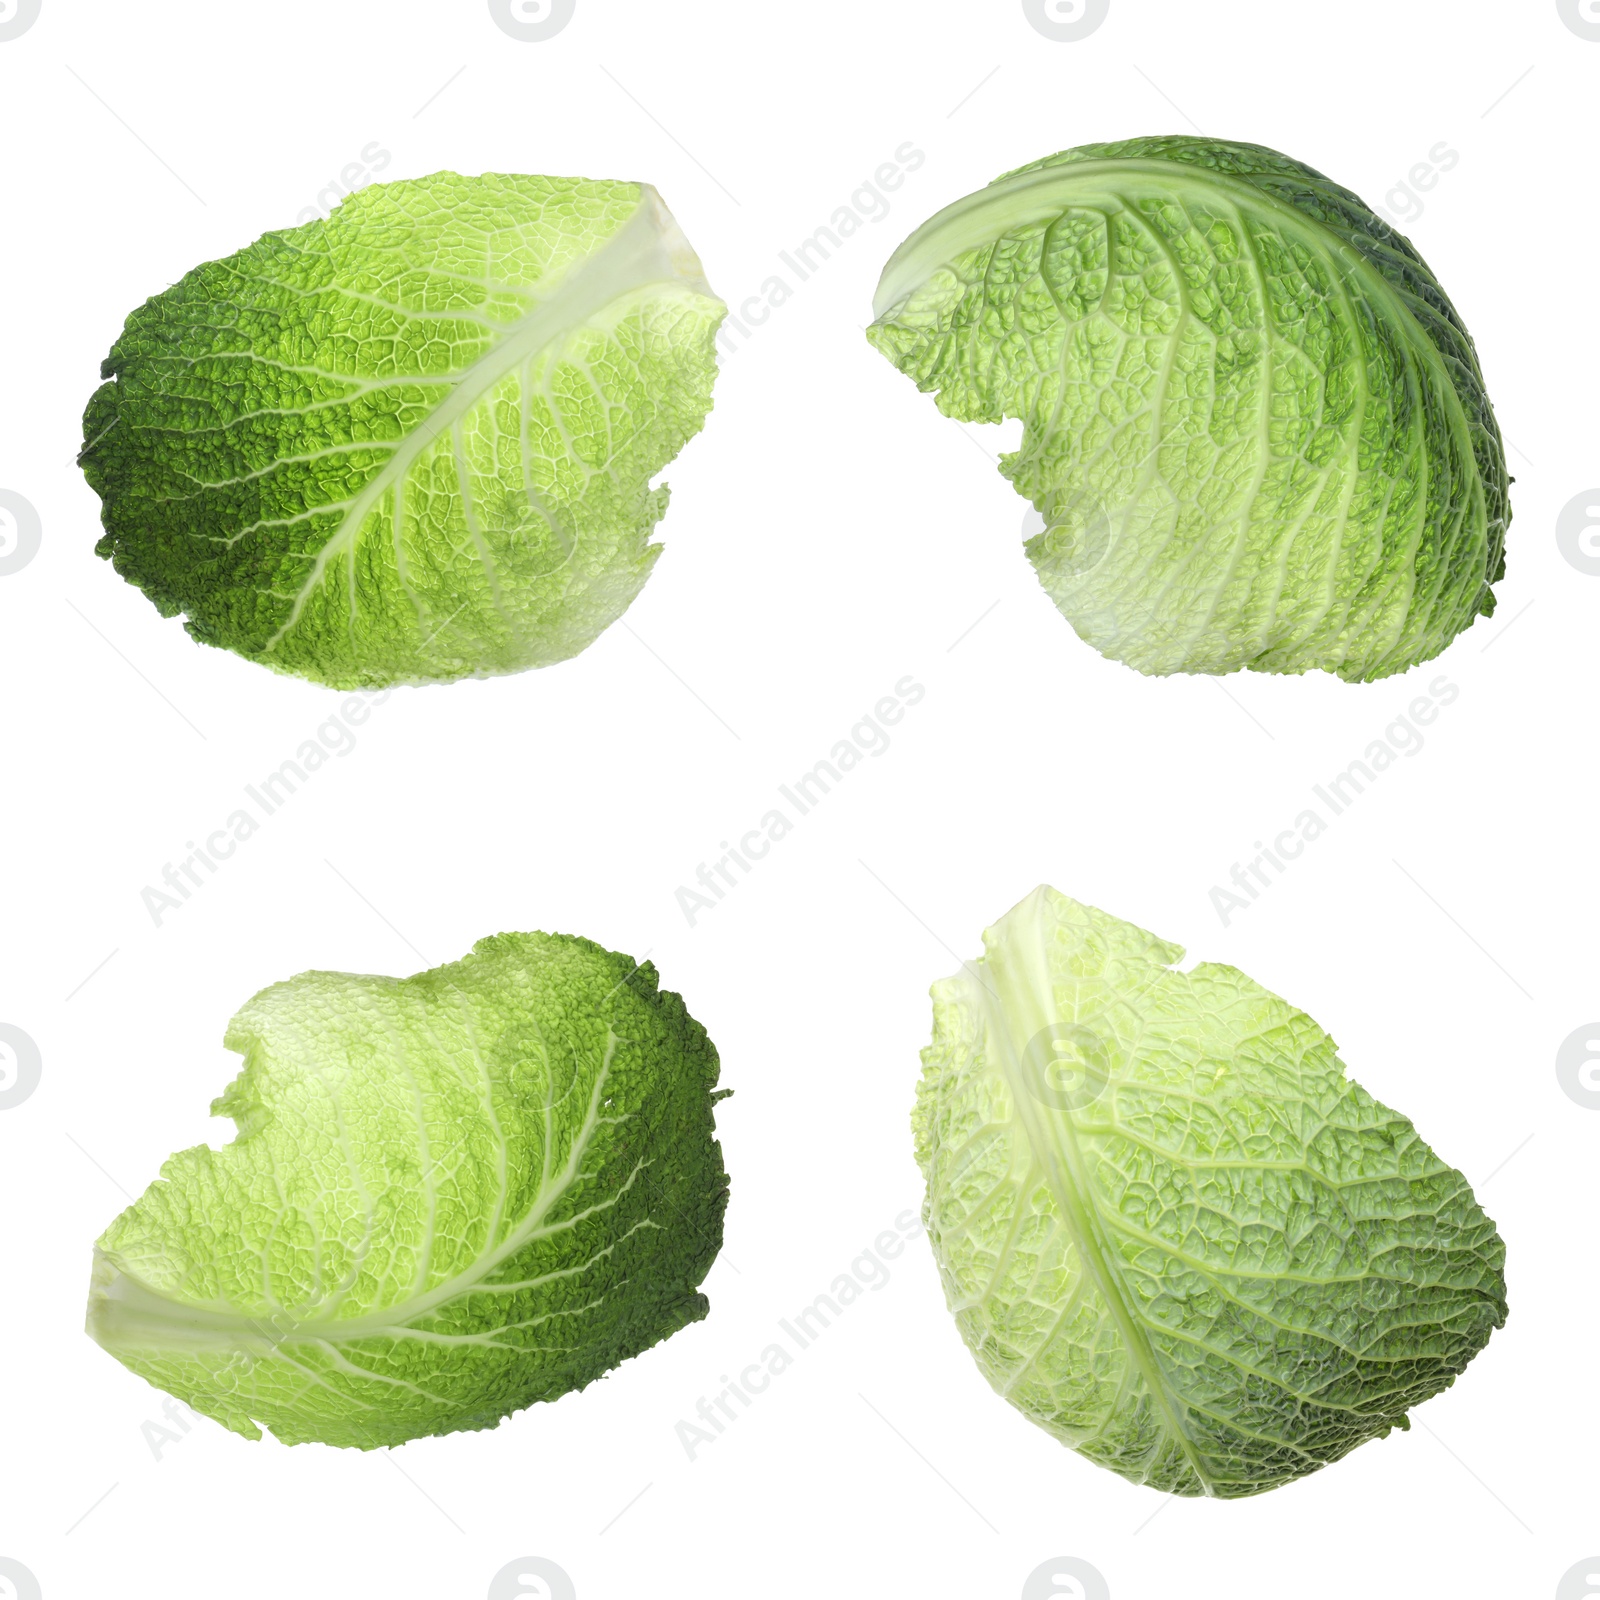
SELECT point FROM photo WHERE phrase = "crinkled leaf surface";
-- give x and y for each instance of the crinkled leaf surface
(451, 1195)
(1171, 1230)
(414, 441)
(1255, 426)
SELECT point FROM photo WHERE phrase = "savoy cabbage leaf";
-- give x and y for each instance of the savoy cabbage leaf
(414, 441)
(1254, 424)
(451, 1195)
(1172, 1232)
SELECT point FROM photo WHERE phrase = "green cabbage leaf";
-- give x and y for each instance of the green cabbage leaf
(1172, 1232)
(414, 441)
(451, 1195)
(1254, 425)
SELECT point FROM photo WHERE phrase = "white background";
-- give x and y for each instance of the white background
(829, 534)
